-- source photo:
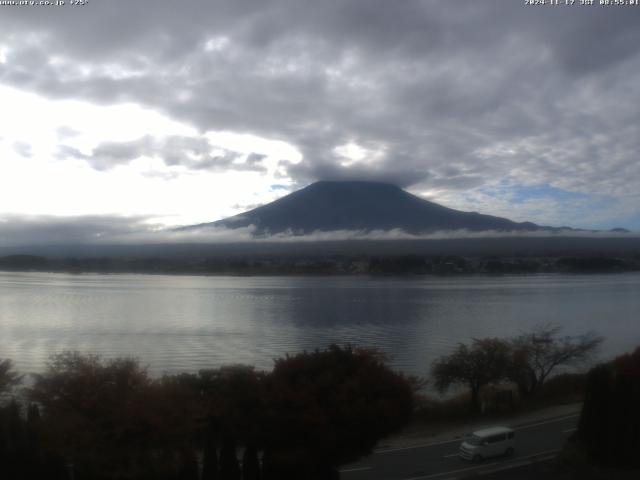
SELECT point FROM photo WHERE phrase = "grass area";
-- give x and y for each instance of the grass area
(559, 390)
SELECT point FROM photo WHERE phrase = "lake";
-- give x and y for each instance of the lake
(183, 323)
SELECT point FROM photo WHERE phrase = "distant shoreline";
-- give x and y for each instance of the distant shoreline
(329, 265)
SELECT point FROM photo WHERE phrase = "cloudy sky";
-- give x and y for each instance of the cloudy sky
(121, 115)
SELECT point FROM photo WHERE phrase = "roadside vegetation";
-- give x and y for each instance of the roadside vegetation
(607, 441)
(86, 417)
(89, 418)
(494, 377)
(517, 369)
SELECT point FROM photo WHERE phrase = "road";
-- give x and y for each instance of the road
(440, 461)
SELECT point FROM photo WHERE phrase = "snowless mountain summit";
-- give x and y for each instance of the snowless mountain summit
(361, 206)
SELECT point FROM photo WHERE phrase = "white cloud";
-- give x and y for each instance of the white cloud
(137, 230)
(45, 146)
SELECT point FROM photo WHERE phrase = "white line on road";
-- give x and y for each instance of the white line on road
(355, 469)
(451, 455)
(548, 421)
(512, 463)
(412, 447)
(501, 468)
(459, 439)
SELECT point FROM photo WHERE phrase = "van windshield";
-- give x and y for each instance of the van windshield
(473, 440)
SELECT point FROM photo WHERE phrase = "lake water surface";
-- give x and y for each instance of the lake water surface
(182, 323)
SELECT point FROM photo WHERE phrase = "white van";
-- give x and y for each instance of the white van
(489, 442)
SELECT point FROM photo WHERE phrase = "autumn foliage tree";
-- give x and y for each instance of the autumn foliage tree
(330, 407)
(108, 419)
(96, 412)
(484, 361)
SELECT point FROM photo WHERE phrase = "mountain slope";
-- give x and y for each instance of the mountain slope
(366, 206)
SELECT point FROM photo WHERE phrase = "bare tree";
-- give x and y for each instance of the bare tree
(475, 366)
(539, 352)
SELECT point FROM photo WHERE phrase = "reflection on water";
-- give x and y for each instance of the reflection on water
(175, 323)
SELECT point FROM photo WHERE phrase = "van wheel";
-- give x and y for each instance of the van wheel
(477, 458)
(509, 452)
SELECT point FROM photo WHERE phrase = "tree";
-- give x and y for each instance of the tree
(9, 378)
(230, 406)
(250, 463)
(475, 366)
(536, 354)
(232, 400)
(96, 412)
(609, 426)
(229, 466)
(13, 445)
(188, 467)
(173, 413)
(209, 459)
(329, 407)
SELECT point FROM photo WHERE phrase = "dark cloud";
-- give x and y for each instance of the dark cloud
(326, 170)
(194, 153)
(450, 95)
(50, 230)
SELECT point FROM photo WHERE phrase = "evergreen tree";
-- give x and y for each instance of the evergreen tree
(34, 445)
(229, 466)
(250, 463)
(14, 446)
(593, 427)
(188, 469)
(210, 459)
(609, 427)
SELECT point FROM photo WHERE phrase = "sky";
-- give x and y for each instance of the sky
(128, 116)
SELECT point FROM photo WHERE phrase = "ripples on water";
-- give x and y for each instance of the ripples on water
(179, 323)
